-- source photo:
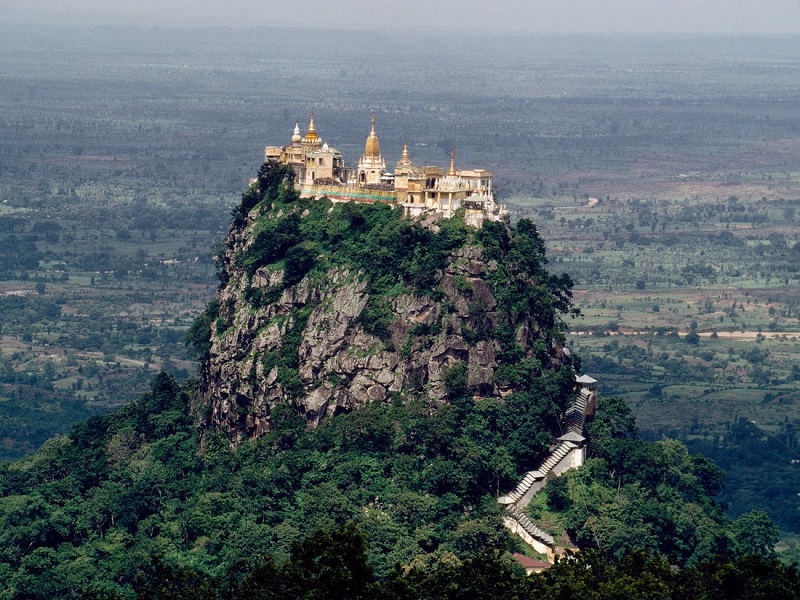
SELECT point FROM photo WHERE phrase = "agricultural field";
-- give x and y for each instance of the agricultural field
(98, 309)
(690, 310)
(682, 301)
(662, 171)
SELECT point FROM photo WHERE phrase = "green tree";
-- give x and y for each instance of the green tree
(754, 533)
(330, 565)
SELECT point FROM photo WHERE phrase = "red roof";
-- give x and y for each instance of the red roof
(530, 563)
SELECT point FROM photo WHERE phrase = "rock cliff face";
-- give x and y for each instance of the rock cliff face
(311, 340)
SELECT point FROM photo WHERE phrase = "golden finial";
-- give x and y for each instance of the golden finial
(452, 170)
(373, 147)
(311, 134)
(404, 157)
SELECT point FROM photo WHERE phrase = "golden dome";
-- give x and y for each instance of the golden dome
(372, 149)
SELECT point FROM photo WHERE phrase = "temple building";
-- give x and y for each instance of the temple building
(311, 159)
(372, 167)
(419, 190)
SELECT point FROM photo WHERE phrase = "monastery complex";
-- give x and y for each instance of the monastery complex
(419, 190)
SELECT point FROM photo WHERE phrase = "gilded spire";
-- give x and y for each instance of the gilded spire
(404, 157)
(452, 170)
(311, 134)
(372, 149)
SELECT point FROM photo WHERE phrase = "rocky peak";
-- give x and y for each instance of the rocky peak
(330, 307)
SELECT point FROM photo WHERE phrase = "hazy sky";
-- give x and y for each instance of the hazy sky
(490, 16)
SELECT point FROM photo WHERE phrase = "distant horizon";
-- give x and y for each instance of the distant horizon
(427, 17)
(447, 36)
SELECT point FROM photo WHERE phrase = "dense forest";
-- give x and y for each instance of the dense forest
(392, 498)
(396, 500)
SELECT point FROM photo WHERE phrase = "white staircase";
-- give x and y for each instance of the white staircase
(529, 527)
(517, 499)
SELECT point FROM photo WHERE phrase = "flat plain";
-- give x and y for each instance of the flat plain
(662, 171)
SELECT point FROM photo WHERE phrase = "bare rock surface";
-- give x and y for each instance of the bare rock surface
(340, 365)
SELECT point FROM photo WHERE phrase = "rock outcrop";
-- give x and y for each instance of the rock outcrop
(309, 344)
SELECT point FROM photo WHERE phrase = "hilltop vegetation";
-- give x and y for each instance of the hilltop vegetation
(331, 306)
